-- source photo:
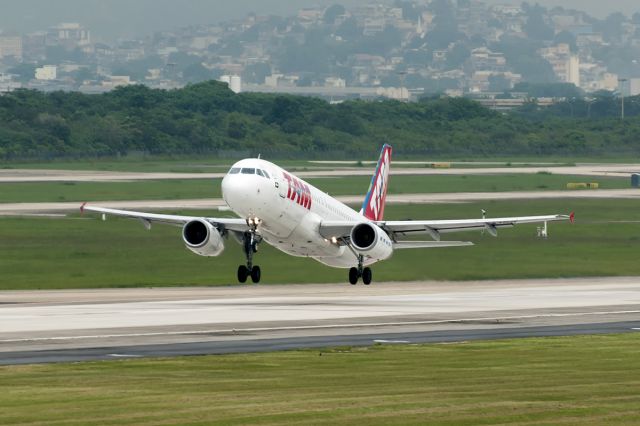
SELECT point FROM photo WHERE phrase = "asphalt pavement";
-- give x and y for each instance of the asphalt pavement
(79, 325)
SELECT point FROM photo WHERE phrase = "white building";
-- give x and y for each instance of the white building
(70, 35)
(234, 82)
(281, 80)
(335, 82)
(565, 65)
(506, 10)
(608, 82)
(634, 87)
(10, 46)
(47, 73)
(573, 70)
(117, 81)
(7, 84)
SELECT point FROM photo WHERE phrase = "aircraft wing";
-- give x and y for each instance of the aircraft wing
(231, 224)
(430, 244)
(398, 229)
(437, 227)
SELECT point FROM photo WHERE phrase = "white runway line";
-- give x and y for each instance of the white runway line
(124, 356)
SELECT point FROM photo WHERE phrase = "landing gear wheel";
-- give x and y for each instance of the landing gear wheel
(243, 273)
(353, 276)
(250, 246)
(367, 276)
(255, 274)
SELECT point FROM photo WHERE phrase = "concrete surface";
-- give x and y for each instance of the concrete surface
(50, 326)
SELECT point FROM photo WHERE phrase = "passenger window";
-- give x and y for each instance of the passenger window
(248, 171)
(266, 174)
(258, 171)
(234, 171)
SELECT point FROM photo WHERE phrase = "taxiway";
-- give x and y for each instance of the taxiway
(36, 175)
(11, 209)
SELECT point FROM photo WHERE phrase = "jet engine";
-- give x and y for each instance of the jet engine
(202, 238)
(371, 241)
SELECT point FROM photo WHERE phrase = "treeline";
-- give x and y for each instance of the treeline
(209, 118)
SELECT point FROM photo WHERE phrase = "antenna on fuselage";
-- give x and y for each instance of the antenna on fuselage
(259, 155)
(484, 217)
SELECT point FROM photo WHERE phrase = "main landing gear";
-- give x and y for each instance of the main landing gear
(360, 272)
(250, 246)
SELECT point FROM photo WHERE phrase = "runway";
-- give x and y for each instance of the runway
(35, 175)
(78, 325)
(9, 209)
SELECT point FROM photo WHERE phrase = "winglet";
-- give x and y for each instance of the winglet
(82, 208)
(572, 217)
(373, 206)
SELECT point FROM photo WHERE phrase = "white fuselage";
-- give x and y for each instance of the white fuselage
(290, 211)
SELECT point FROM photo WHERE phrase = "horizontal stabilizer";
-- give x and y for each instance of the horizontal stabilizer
(430, 244)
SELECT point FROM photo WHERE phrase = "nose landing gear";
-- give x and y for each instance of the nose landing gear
(250, 241)
(360, 272)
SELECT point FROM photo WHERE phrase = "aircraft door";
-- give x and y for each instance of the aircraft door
(281, 186)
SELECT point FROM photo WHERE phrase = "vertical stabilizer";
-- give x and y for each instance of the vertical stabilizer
(373, 207)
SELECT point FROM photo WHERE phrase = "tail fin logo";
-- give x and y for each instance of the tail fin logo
(373, 207)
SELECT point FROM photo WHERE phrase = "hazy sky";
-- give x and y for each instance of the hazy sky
(110, 18)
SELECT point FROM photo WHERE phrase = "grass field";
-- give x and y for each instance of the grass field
(85, 252)
(550, 381)
(353, 185)
(202, 164)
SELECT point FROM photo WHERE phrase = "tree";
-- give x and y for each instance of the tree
(499, 83)
(612, 27)
(236, 126)
(523, 58)
(445, 25)
(567, 38)
(536, 26)
(257, 72)
(83, 74)
(458, 56)
(25, 72)
(349, 29)
(410, 10)
(196, 73)
(332, 13)
(139, 68)
(206, 116)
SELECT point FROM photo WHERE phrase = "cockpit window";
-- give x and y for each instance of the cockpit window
(246, 171)
(234, 171)
(266, 174)
(259, 172)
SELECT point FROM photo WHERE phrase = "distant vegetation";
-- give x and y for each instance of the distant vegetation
(208, 118)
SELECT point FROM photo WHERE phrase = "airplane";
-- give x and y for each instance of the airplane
(276, 207)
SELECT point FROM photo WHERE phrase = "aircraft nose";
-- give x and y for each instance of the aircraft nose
(232, 191)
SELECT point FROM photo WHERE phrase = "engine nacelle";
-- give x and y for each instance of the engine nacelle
(202, 238)
(371, 241)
